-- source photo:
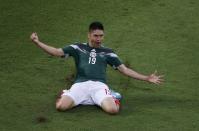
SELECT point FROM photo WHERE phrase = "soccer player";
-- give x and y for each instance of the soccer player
(91, 60)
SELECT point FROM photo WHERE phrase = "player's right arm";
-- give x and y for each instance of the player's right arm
(48, 49)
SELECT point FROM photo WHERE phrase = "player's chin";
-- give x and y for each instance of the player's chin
(98, 43)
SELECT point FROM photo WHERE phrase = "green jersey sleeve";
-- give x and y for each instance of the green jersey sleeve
(113, 60)
(69, 50)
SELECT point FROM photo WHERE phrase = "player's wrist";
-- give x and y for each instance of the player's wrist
(36, 41)
(147, 78)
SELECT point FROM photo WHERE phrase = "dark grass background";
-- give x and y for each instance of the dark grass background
(146, 34)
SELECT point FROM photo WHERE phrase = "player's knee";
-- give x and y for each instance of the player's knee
(112, 110)
(63, 105)
(60, 107)
(109, 106)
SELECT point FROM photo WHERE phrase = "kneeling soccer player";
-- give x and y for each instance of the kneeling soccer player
(91, 60)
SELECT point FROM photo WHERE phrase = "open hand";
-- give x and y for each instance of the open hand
(156, 79)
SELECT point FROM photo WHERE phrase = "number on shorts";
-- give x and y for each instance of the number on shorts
(107, 92)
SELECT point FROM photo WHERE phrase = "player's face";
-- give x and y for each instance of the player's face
(96, 37)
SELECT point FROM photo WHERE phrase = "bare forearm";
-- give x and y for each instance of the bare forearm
(131, 73)
(135, 75)
(48, 49)
(153, 78)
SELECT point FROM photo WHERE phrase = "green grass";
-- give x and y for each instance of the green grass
(146, 34)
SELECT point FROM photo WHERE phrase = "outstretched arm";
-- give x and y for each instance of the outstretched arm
(153, 78)
(48, 49)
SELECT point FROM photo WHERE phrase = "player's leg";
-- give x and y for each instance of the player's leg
(65, 102)
(110, 105)
(102, 97)
(76, 95)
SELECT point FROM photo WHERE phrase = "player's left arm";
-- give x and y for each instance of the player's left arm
(152, 78)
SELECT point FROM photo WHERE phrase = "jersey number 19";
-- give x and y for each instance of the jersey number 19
(92, 60)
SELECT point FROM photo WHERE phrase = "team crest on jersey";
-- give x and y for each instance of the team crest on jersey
(92, 54)
(93, 50)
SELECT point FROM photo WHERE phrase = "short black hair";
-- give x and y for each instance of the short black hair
(96, 25)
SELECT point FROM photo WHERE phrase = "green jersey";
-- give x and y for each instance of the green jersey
(91, 62)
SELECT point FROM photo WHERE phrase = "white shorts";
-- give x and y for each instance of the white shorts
(88, 93)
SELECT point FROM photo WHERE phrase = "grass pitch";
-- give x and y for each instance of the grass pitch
(146, 34)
